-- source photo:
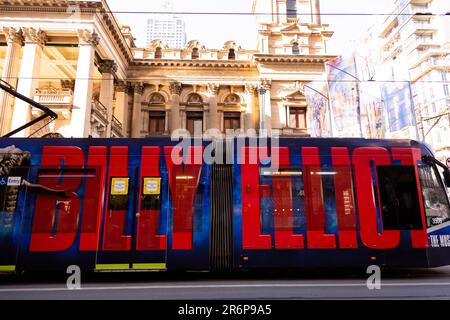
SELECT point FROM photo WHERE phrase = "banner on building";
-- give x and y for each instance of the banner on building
(371, 111)
(397, 97)
(316, 94)
(343, 87)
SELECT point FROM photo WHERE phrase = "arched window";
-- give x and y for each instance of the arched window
(291, 8)
(295, 48)
(231, 54)
(195, 54)
(158, 53)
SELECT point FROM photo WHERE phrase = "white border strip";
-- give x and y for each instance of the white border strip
(212, 286)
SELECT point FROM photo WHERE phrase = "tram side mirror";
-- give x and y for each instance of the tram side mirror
(447, 178)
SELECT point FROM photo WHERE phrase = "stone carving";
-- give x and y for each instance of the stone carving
(121, 86)
(88, 37)
(108, 66)
(232, 99)
(266, 84)
(138, 88)
(13, 35)
(31, 35)
(250, 90)
(176, 88)
(213, 89)
(157, 98)
(194, 98)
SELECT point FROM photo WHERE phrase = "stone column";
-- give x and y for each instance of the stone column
(264, 38)
(82, 100)
(175, 120)
(29, 76)
(213, 91)
(107, 68)
(136, 123)
(10, 73)
(121, 110)
(265, 104)
(251, 112)
(315, 12)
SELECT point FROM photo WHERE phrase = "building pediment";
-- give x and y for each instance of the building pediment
(295, 29)
(295, 96)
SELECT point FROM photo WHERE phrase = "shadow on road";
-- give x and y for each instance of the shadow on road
(291, 274)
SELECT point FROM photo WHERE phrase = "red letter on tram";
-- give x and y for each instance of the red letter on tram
(114, 238)
(183, 181)
(55, 223)
(284, 214)
(93, 199)
(370, 236)
(147, 226)
(251, 211)
(345, 202)
(410, 157)
(315, 213)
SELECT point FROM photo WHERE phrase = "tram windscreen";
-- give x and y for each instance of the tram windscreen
(399, 198)
(434, 196)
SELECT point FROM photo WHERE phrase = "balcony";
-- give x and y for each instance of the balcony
(100, 123)
(99, 119)
(58, 99)
(433, 63)
(116, 128)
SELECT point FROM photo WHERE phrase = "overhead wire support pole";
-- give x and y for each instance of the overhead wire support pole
(47, 112)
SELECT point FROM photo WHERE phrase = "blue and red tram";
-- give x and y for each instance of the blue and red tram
(151, 204)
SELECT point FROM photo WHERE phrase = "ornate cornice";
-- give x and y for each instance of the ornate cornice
(88, 37)
(31, 35)
(176, 88)
(277, 58)
(13, 35)
(108, 66)
(194, 63)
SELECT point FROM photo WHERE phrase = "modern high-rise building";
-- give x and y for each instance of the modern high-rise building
(416, 35)
(167, 27)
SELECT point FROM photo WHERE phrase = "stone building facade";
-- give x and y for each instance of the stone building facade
(77, 59)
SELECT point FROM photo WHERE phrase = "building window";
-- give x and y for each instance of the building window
(195, 54)
(231, 120)
(295, 48)
(291, 8)
(157, 122)
(297, 118)
(194, 122)
(158, 53)
(231, 55)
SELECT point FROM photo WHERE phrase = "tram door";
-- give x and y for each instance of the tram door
(134, 226)
(10, 222)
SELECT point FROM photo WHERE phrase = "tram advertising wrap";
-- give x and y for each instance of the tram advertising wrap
(149, 204)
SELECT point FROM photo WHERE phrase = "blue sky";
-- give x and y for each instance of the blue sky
(214, 30)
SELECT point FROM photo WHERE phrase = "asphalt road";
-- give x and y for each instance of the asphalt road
(401, 284)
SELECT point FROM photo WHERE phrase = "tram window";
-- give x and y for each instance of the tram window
(399, 198)
(151, 193)
(434, 197)
(118, 199)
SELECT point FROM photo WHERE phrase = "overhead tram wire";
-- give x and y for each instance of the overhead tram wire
(63, 10)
